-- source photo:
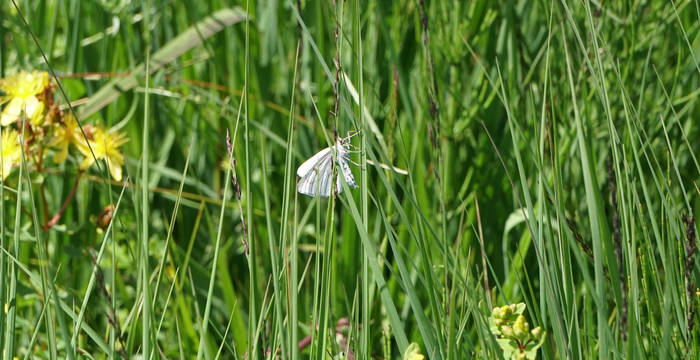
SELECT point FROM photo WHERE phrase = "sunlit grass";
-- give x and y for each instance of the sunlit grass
(527, 179)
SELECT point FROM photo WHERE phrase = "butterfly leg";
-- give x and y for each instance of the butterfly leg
(354, 163)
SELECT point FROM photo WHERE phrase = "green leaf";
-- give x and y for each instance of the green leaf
(509, 347)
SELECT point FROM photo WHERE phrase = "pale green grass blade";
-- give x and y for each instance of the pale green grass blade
(164, 56)
(145, 223)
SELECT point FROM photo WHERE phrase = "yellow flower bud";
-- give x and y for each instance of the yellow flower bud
(507, 311)
(507, 331)
(521, 327)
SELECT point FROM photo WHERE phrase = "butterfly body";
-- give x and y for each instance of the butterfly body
(317, 172)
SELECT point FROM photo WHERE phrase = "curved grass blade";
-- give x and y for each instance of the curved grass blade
(190, 38)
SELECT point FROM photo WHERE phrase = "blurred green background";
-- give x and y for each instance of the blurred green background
(518, 123)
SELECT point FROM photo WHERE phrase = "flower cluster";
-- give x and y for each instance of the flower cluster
(509, 326)
(27, 99)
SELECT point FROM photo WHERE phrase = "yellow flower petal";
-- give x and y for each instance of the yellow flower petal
(6, 169)
(87, 162)
(31, 105)
(39, 81)
(12, 111)
(115, 170)
(83, 147)
(61, 155)
(64, 134)
(10, 155)
(37, 117)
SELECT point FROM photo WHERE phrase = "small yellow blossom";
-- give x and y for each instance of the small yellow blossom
(413, 353)
(37, 119)
(11, 152)
(21, 90)
(105, 145)
(64, 135)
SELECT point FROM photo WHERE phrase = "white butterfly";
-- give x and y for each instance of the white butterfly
(316, 173)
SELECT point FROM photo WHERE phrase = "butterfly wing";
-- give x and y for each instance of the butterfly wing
(325, 177)
(347, 174)
(317, 178)
(317, 172)
(313, 161)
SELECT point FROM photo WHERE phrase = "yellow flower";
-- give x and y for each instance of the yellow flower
(105, 145)
(64, 135)
(11, 152)
(413, 353)
(22, 89)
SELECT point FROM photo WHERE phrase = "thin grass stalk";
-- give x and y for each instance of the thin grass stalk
(212, 278)
(252, 256)
(112, 318)
(317, 280)
(223, 342)
(589, 181)
(366, 310)
(93, 276)
(173, 219)
(37, 328)
(325, 303)
(11, 305)
(690, 250)
(294, 285)
(143, 260)
(278, 297)
(617, 237)
(3, 64)
(3, 266)
(284, 231)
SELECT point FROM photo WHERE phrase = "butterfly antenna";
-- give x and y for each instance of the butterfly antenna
(349, 146)
(350, 134)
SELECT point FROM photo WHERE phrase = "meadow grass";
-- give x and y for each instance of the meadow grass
(549, 150)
